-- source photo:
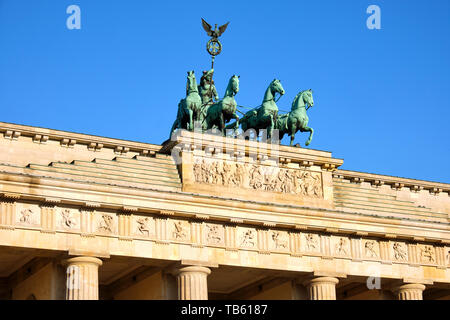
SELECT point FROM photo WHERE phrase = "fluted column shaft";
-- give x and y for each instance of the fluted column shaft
(322, 288)
(413, 291)
(82, 278)
(192, 283)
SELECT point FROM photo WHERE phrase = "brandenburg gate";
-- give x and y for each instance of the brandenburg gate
(213, 212)
(210, 217)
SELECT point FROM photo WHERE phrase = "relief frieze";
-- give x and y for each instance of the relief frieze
(341, 246)
(247, 237)
(258, 177)
(400, 251)
(144, 226)
(311, 243)
(28, 215)
(214, 234)
(106, 223)
(68, 219)
(180, 230)
(427, 254)
(280, 240)
(371, 249)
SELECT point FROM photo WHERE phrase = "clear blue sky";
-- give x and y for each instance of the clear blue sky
(381, 96)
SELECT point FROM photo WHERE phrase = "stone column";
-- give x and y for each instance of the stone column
(82, 278)
(411, 291)
(192, 282)
(322, 288)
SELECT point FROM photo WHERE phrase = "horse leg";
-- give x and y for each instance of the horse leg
(311, 132)
(236, 127)
(292, 134)
(222, 124)
(270, 128)
(191, 122)
(235, 116)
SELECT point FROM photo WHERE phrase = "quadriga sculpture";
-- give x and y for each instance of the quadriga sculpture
(224, 110)
(297, 119)
(190, 108)
(265, 116)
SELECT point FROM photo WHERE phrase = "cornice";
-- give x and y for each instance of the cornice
(395, 182)
(70, 139)
(190, 141)
(254, 213)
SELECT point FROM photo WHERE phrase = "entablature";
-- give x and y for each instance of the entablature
(396, 183)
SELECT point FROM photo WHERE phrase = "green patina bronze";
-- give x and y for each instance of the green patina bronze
(190, 108)
(297, 119)
(224, 110)
(202, 105)
(199, 105)
(207, 89)
(266, 115)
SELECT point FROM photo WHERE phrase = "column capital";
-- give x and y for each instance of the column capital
(82, 260)
(320, 280)
(322, 288)
(194, 269)
(409, 291)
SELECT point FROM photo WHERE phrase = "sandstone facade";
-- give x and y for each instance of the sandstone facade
(205, 217)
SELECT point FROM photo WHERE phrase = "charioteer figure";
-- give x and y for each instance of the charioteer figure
(207, 89)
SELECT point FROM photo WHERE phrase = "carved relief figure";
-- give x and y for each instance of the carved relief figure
(239, 175)
(399, 251)
(143, 227)
(341, 246)
(370, 249)
(248, 239)
(26, 215)
(256, 177)
(214, 235)
(227, 173)
(106, 223)
(311, 184)
(311, 242)
(279, 243)
(265, 178)
(198, 171)
(179, 232)
(288, 183)
(68, 220)
(427, 254)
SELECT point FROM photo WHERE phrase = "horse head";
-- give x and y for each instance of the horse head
(233, 86)
(275, 86)
(303, 99)
(308, 97)
(191, 82)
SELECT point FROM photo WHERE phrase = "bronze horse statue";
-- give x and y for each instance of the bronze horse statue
(265, 116)
(189, 108)
(297, 119)
(224, 110)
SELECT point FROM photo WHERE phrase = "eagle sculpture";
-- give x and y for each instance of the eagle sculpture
(216, 33)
